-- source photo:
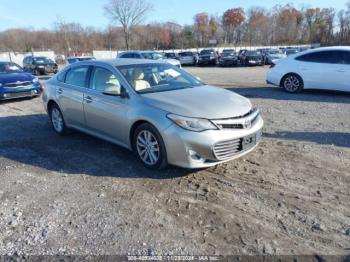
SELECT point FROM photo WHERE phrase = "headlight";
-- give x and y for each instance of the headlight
(212, 57)
(192, 124)
(35, 80)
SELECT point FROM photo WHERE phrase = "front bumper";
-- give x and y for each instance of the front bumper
(228, 61)
(253, 62)
(47, 70)
(207, 61)
(20, 92)
(196, 149)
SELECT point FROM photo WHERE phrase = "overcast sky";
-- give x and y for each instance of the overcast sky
(38, 14)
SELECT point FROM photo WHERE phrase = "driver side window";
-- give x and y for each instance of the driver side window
(102, 79)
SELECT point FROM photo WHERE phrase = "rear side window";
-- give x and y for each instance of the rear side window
(77, 76)
(326, 57)
(60, 77)
(346, 57)
(127, 55)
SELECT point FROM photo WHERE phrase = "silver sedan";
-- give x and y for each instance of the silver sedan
(163, 114)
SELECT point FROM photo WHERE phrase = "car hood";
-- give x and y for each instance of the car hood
(202, 102)
(15, 77)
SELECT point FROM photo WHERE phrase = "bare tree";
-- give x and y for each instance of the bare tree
(127, 13)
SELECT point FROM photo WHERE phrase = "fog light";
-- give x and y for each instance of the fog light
(195, 156)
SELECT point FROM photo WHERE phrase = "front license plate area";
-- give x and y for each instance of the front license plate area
(249, 142)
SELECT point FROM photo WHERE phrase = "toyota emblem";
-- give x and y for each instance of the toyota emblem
(247, 124)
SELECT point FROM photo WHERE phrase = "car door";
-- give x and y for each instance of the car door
(106, 115)
(316, 70)
(70, 95)
(343, 71)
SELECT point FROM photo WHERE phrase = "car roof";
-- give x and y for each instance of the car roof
(330, 48)
(335, 48)
(120, 62)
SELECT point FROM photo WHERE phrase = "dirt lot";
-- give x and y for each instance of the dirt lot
(78, 195)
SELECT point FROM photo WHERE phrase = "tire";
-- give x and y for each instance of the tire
(57, 120)
(292, 83)
(149, 147)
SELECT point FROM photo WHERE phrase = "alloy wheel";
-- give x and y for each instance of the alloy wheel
(57, 120)
(292, 83)
(148, 147)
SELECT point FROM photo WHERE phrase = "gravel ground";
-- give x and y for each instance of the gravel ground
(78, 195)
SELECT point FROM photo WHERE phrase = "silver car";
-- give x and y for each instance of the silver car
(187, 58)
(163, 114)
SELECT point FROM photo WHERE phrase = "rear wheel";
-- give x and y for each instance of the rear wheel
(149, 147)
(292, 83)
(57, 120)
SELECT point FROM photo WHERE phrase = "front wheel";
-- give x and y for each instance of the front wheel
(292, 83)
(149, 147)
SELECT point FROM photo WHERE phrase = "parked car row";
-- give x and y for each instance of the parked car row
(230, 57)
(150, 55)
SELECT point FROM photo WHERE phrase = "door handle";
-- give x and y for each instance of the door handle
(88, 99)
(59, 91)
(341, 71)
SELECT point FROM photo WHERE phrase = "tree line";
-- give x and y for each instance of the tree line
(257, 26)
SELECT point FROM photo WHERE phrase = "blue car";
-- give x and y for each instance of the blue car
(16, 83)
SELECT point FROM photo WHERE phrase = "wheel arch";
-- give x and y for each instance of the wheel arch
(51, 103)
(290, 73)
(133, 128)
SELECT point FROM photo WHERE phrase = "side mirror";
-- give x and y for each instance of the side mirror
(116, 91)
(112, 91)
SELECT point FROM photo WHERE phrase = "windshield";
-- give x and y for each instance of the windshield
(170, 55)
(207, 52)
(42, 60)
(152, 55)
(186, 54)
(7, 68)
(291, 51)
(251, 53)
(275, 52)
(153, 78)
(228, 52)
(86, 58)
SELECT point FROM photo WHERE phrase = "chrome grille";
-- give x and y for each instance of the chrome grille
(241, 122)
(18, 84)
(227, 149)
